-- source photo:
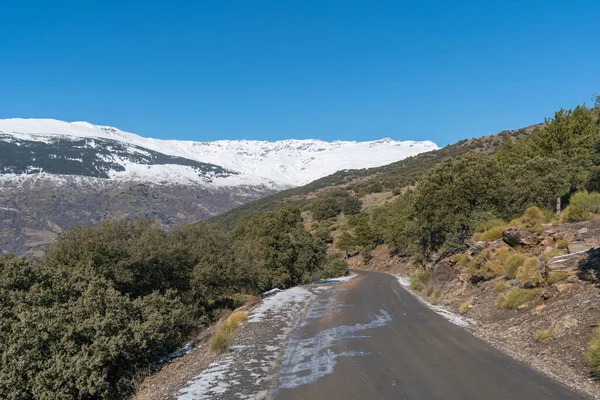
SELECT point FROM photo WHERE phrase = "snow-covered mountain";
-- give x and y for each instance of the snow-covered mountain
(55, 175)
(51, 148)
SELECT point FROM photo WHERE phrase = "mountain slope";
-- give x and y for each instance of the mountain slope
(364, 181)
(55, 175)
(80, 148)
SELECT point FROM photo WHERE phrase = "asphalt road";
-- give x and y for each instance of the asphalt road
(371, 339)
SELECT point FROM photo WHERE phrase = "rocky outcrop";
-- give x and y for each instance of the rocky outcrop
(584, 264)
(520, 237)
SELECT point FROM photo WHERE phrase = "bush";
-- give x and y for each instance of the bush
(222, 338)
(512, 265)
(553, 253)
(489, 224)
(488, 264)
(492, 234)
(556, 276)
(545, 334)
(533, 217)
(325, 208)
(418, 281)
(464, 307)
(517, 297)
(529, 273)
(500, 287)
(437, 293)
(461, 259)
(366, 255)
(68, 333)
(582, 206)
(593, 354)
(335, 266)
(562, 244)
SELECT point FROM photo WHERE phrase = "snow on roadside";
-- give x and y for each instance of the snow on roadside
(344, 278)
(280, 301)
(211, 382)
(253, 359)
(448, 315)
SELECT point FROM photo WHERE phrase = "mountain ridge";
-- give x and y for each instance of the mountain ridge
(276, 165)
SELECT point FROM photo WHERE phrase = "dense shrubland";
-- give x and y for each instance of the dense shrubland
(106, 303)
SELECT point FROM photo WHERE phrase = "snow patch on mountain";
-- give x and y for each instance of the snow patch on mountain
(276, 165)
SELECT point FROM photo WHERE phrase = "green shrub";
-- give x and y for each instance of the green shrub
(335, 266)
(517, 297)
(489, 224)
(461, 259)
(545, 334)
(325, 207)
(464, 307)
(529, 273)
(593, 354)
(429, 290)
(512, 265)
(562, 244)
(582, 206)
(556, 276)
(492, 234)
(533, 217)
(551, 254)
(500, 287)
(418, 281)
(437, 293)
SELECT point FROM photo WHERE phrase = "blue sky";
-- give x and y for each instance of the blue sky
(259, 69)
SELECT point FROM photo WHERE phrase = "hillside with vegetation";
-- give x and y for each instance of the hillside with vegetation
(388, 178)
(107, 303)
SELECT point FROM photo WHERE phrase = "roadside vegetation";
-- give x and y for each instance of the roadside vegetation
(108, 302)
(222, 338)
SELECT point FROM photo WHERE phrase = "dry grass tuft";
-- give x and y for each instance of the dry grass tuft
(222, 338)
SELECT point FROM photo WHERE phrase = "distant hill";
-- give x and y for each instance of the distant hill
(370, 180)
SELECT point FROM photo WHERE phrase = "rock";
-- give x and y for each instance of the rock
(563, 287)
(566, 235)
(585, 264)
(540, 307)
(564, 325)
(572, 279)
(519, 237)
(523, 306)
(444, 271)
(476, 248)
(576, 247)
(498, 244)
(582, 231)
(548, 241)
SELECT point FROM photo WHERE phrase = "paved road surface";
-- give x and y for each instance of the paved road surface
(371, 339)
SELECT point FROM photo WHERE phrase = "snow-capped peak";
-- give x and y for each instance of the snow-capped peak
(279, 164)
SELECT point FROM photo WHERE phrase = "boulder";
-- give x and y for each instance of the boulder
(520, 237)
(444, 271)
(476, 247)
(584, 264)
(548, 241)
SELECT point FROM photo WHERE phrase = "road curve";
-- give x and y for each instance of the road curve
(371, 339)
